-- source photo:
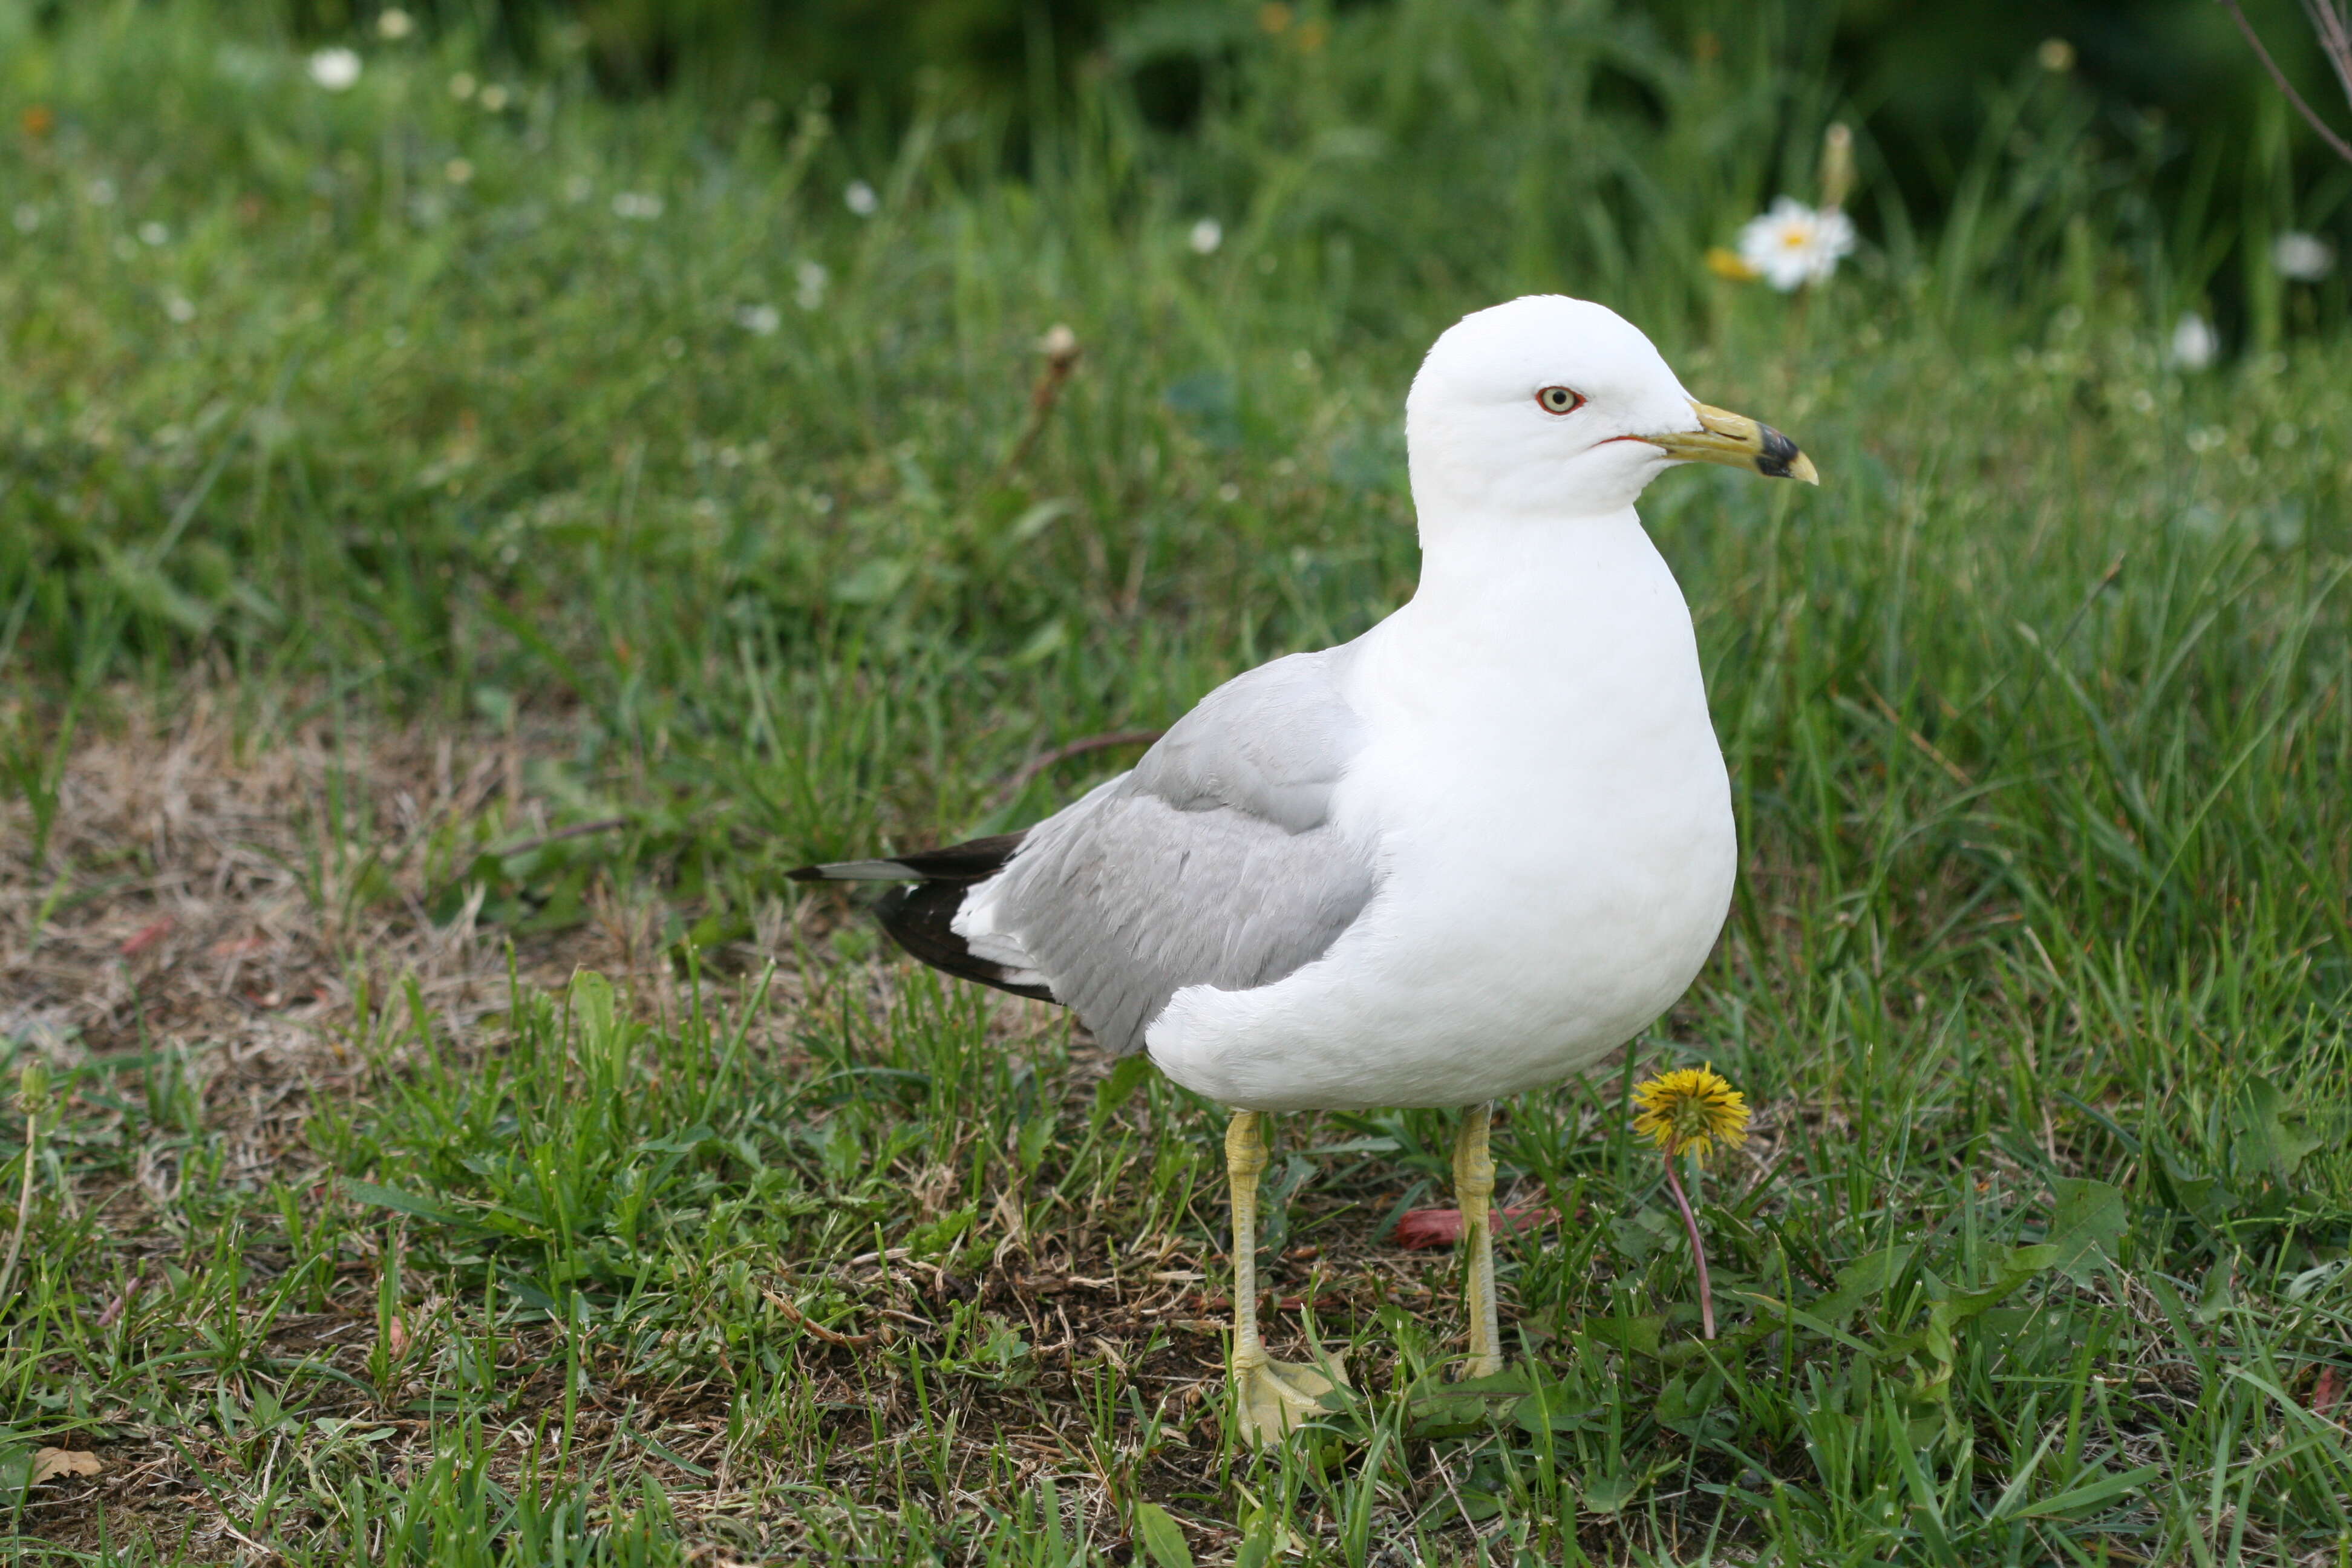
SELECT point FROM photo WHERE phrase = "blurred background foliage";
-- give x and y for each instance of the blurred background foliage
(2173, 70)
(530, 236)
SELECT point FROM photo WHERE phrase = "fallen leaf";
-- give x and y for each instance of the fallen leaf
(1443, 1227)
(2326, 1391)
(145, 937)
(51, 1462)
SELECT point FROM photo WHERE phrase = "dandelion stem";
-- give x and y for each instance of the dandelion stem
(1698, 1248)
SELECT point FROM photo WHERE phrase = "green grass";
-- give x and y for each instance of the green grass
(2038, 711)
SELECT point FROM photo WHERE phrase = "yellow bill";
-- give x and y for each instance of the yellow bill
(1737, 441)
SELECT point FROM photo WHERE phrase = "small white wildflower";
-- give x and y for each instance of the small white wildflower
(179, 308)
(101, 192)
(640, 207)
(494, 98)
(1792, 244)
(462, 84)
(394, 24)
(153, 233)
(578, 188)
(2194, 342)
(809, 280)
(458, 171)
(1205, 237)
(336, 69)
(758, 320)
(27, 217)
(859, 197)
(2056, 55)
(2303, 258)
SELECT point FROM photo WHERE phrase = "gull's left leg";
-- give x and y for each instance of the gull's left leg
(1474, 1194)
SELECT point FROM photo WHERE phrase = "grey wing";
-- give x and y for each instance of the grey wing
(1215, 862)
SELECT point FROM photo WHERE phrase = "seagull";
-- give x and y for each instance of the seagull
(1468, 854)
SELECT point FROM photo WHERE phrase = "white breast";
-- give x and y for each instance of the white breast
(1543, 789)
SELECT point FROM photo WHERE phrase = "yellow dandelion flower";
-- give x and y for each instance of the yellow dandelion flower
(1725, 262)
(1692, 1109)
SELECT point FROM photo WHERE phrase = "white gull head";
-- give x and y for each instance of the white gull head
(1552, 408)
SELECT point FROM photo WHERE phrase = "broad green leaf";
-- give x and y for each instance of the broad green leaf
(871, 582)
(2260, 1121)
(1125, 1076)
(592, 1005)
(1639, 1335)
(1163, 1538)
(2086, 1226)
(405, 1203)
(2079, 1499)
(1862, 1282)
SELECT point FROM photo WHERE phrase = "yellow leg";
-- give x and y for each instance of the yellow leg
(1275, 1396)
(1474, 1194)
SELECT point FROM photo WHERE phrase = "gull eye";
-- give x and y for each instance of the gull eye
(1559, 400)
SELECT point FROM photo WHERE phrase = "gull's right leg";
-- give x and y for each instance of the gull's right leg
(1473, 1189)
(1275, 1396)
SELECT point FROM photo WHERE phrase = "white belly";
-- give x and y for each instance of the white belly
(1551, 812)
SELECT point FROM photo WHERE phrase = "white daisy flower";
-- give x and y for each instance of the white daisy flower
(1794, 245)
(394, 24)
(859, 197)
(758, 320)
(335, 69)
(641, 206)
(2195, 344)
(152, 233)
(179, 308)
(1206, 236)
(2302, 257)
(809, 280)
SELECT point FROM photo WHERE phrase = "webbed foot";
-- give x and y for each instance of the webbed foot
(1273, 1396)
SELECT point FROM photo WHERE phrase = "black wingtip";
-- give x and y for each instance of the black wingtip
(922, 919)
(806, 873)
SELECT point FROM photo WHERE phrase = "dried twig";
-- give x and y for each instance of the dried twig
(2335, 39)
(33, 1099)
(121, 1304)
(577, 830)
(791, 1310)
